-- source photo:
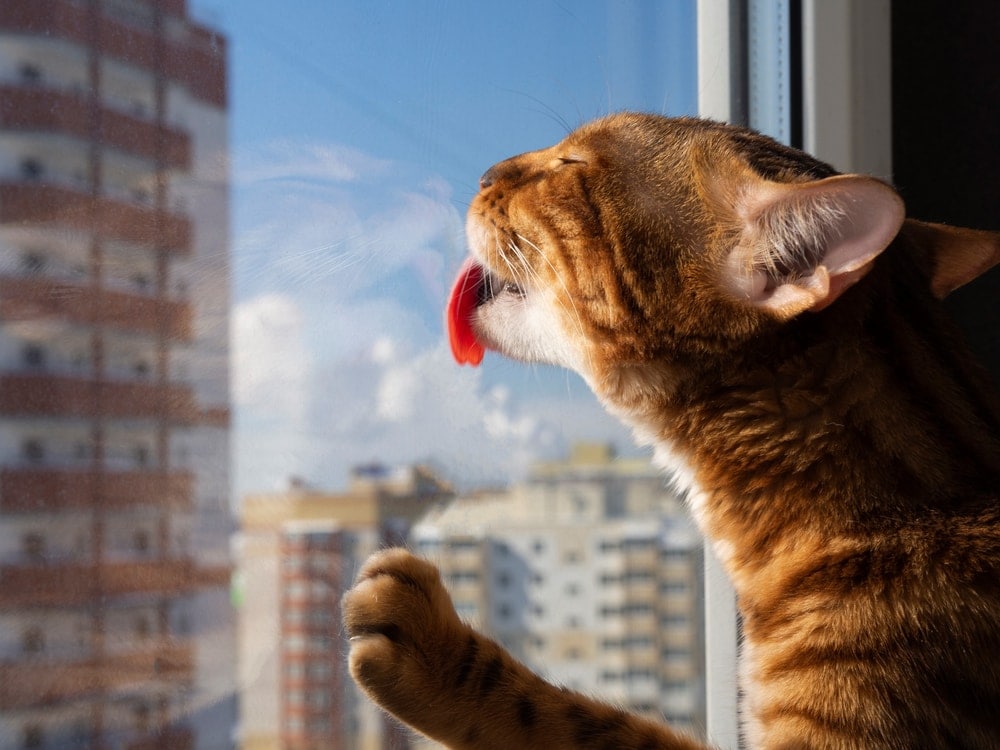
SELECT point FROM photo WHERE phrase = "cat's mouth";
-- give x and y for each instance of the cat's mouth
(474, 287)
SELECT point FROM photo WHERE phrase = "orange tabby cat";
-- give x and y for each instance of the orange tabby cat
(774, 330)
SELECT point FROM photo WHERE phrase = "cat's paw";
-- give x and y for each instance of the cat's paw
(403, 630)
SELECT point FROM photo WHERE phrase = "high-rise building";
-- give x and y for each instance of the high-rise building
(298, 553)
(115, 622)
(590, 572)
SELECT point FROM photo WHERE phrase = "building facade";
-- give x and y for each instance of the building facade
(298, 553)
(590, 573)
(116, 629)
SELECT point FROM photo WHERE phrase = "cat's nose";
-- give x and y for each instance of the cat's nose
(488, 178)
(497, 172)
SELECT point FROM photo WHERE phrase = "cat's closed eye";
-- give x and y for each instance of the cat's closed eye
(562, 161)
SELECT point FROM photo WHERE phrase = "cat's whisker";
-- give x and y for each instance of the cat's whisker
(568, 296)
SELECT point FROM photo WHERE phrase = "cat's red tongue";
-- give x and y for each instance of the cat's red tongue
(464, 296)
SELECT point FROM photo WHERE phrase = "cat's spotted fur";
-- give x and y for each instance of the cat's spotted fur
(773, 329)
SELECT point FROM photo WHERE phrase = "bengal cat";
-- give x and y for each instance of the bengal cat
(773, 329)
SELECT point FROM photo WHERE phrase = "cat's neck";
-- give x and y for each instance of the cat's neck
(858, 419)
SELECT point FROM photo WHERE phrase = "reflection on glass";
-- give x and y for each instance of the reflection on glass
(117, 631)
(358, 132)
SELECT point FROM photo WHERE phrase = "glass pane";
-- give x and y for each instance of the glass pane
(227, 232)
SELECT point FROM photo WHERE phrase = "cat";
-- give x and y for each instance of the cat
(773, 329)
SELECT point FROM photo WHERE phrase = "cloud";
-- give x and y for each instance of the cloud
(339, 356)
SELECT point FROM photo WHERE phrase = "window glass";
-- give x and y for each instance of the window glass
(227, 233)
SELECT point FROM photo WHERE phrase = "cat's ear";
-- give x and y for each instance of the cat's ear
(958, 255)
(801, 245)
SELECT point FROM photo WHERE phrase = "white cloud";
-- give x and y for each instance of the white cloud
(270, 360)
(302, 161)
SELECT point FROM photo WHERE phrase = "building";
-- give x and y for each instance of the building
(115, 622)
(590, 573)
(298, 553)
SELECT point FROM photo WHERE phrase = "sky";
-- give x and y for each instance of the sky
(358, 131)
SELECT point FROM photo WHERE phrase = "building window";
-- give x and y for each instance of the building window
(33, 641)
(319, 698)
(141, 714)
(295, 643)
(32, 264)
(140, 541)
(33, 736)
(31, 169)
(33, 451)
(30, 73)
(319, 670)
(33, 545)
(33, 356)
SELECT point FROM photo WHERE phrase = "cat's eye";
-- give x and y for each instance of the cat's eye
(561, 161)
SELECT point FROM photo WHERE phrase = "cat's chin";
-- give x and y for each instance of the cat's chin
(487, 312)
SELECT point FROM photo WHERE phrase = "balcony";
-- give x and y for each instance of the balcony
(197, 62)
(58, 490)
(33, 298)
(31, 684)
(36, 108)
(67, 207)
(44, 395)
(76, 584)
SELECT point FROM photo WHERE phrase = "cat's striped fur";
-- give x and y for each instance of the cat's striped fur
(774, 330)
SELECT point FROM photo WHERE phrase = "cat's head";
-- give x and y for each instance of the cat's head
(641, 242)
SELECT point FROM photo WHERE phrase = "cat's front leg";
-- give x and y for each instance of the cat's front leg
(413, 656)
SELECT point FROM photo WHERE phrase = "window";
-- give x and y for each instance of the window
(320, 238)
(33, 545)
(31, 169)
(30, 73)
(33, 451)
(34, 737)
(33, 356)
(141, 714)
(32, 264)
(140, 541)
(33, 640)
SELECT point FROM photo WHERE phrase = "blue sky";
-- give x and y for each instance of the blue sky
(358, 133)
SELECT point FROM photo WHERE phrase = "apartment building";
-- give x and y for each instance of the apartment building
(590, 573)
(116, 629)
(298, 553)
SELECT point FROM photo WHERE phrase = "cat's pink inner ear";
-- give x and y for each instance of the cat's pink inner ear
(465, 347)
(805, 244)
